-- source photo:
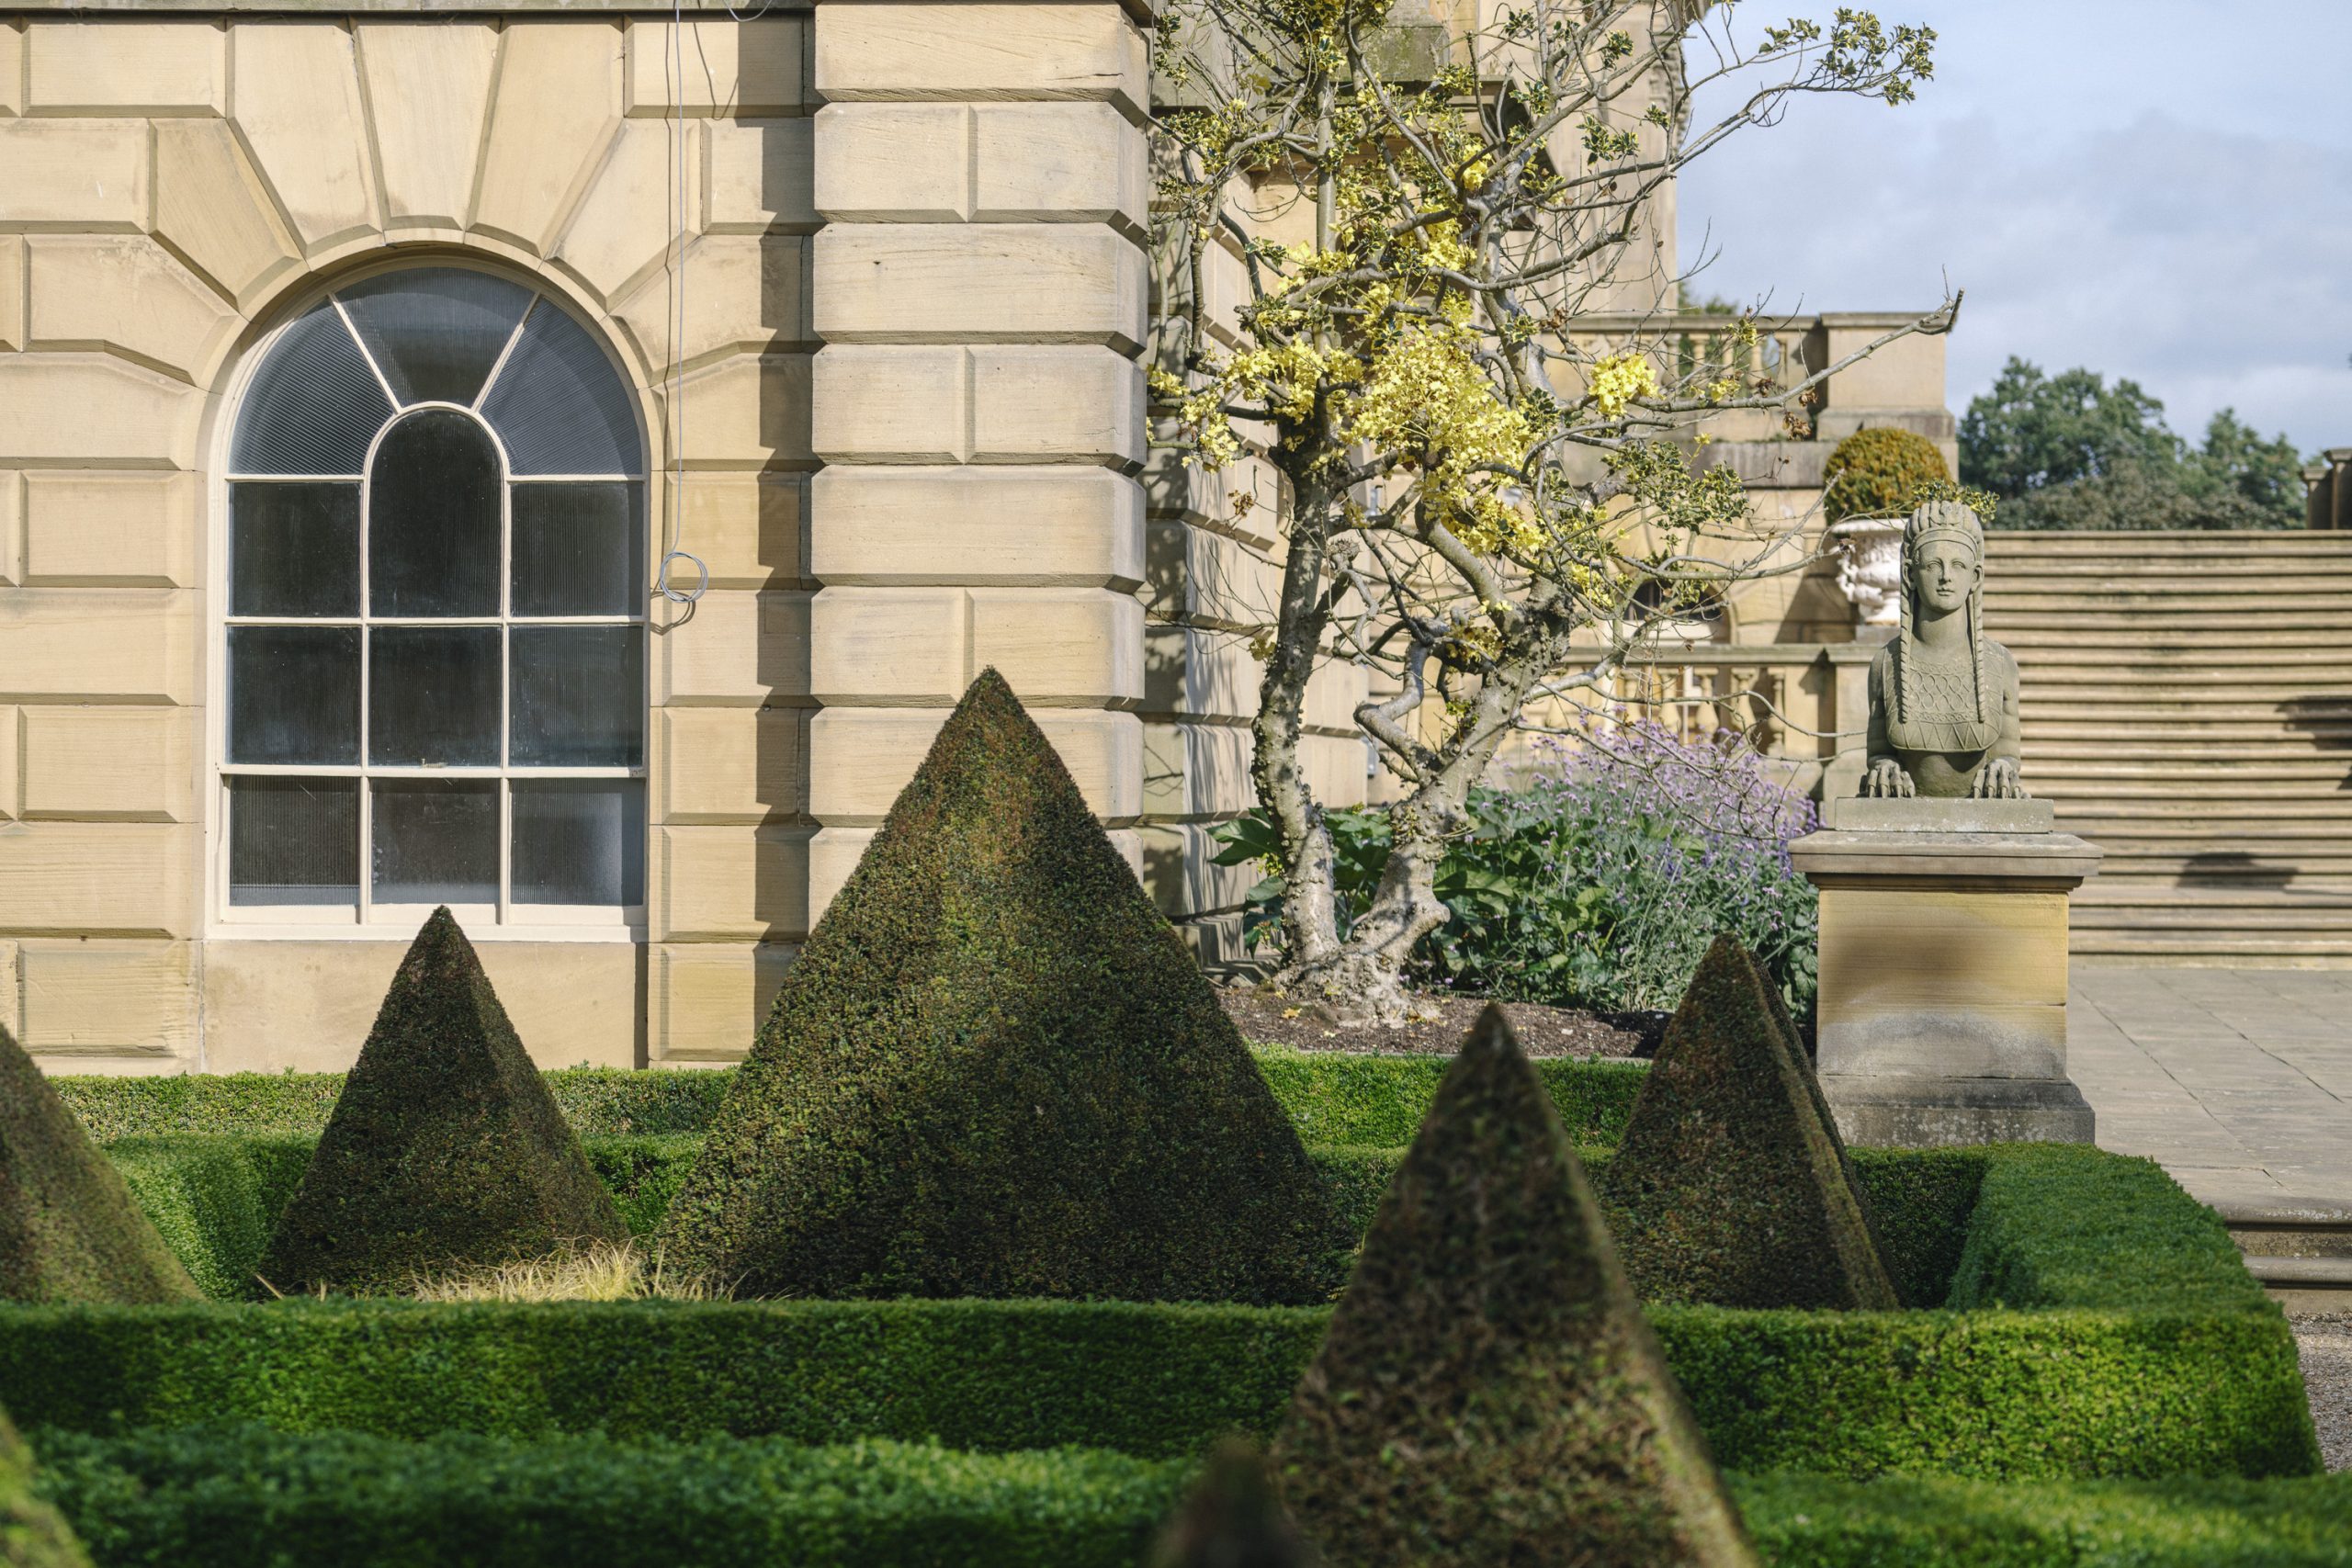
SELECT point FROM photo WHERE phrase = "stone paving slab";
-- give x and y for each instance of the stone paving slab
(2238, 1081)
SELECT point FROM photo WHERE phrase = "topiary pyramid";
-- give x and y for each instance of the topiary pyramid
(1232, 1518)
(32, 1534)
(995, 1070)
(1488, 1392)
(444, 1147)
(1730, 1186)
(70, 1230)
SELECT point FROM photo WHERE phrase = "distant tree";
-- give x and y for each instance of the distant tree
(2073, 451)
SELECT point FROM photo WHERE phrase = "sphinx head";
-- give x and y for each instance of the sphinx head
(1943, 559)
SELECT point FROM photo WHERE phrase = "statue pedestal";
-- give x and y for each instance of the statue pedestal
(1943, 1012)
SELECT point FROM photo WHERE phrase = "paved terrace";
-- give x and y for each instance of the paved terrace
(2238, 1081)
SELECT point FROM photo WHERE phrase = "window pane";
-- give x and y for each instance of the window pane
(580, 842)
(435, 332)
(579, 697)
(433, 695)
(314, 405)
(435, 842)
(294, 549)
(294, 694)
(578, 551)
(432, 511)
(558, 404)
(293, 840)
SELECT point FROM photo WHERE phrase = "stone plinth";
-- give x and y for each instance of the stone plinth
(1943, 1012)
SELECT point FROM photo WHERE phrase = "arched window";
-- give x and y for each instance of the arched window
(435, 639)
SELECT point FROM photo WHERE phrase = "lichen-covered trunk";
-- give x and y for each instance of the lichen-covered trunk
(1309, 868)
(1359, 981)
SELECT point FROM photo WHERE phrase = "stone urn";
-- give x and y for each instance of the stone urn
(1870, 566)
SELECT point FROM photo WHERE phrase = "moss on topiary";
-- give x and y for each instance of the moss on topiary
(444, 1147)
(995, 1070)
(31, 1533)
(1233, 1517)
(1489, 1392)
(70, 1230)
(1731, 1187)
(1878, 472)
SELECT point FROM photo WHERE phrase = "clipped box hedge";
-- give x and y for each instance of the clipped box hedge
(204, 1497)
(1335, 1098)
(2099, 1324)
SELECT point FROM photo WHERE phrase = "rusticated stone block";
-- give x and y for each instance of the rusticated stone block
(916, 50)
(127, 294)
(93, 410)
(428, 95)
(98, 878)
(92, 528)
(211, 211)
(110, 763)
(746, 527)
(110, 998)
(711, 997)
(114, 67)
(734, 884)
(98, 645)
(1000, 528)
(719, 66)
(761, 176)
(623, 226)
(749, 408)
(743, 294)
(1055, 162)
(739, 649)
(297, 102)
(860, 758)
(80, 174)
(730, 765)
(557, 108)
(978, 283)
(894, 163)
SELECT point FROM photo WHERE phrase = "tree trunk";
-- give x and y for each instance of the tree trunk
(1309, 873)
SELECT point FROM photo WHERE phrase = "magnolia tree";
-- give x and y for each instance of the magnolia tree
(1486, 498)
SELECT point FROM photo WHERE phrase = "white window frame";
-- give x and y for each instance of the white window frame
(368, 919)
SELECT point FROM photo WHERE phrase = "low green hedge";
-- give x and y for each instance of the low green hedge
(215, 1198)
(235, 1496)
(1336, 1098)
(226, 1494)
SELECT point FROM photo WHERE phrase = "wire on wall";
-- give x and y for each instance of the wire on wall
(673, 71)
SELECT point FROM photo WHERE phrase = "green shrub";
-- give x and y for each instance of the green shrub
(238, 1496)
(1332, 1097)
(995, 1070)
(1878, 472)
(70, 1230)
(444, 1147)
(229, 1498)
(1935, 1523)
(32, 1534)
(1731, 1187)
(1488, 1392)
(1919, 1202)
(214, 1201)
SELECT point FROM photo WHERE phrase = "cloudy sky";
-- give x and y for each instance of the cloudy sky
(2160, 189)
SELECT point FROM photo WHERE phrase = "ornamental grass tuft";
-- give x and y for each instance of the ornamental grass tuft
(1731, 1187)
(444, 1148)
(32, 1534)
(995, 1070)
(1233, 1517)
(1489, 1392)
(70, 1230)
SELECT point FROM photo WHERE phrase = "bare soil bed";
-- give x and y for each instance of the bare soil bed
(1438, 1021)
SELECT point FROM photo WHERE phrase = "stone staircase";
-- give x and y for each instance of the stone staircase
(2299, 1248)
(2188, 704)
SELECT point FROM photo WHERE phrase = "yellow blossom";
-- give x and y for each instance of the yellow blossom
(1619, 378)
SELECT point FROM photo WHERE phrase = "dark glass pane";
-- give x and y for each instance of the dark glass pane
(293, 840)
(579, 697)
(578, 549)
(558, 404)
(435, 842)
(294, 549)
(313, 406)
(433, 518)
(433, 695)
(580, 842)
(294, 694)
(435, 332)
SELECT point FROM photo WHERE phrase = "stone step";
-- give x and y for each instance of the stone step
(2000, 622)
(2290, 1226)
(2306, 1285)
(2084, 768)
(2127, 641)
(2242, 721)
(2143, 680)
(2131, 658)
(2215, 923)
(2003, 570)
(2230, 812)
(2126, 892)
(2004, 543)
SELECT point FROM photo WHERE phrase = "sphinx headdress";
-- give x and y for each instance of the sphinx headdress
(1931, 715)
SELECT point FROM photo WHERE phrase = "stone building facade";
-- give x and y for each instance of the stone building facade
(829, 319)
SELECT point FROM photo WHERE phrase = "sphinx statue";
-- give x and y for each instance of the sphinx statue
(1943, 717)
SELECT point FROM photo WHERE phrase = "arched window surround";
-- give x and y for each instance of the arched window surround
(564, 794)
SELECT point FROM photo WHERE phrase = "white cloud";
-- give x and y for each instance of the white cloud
(2200, 244)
